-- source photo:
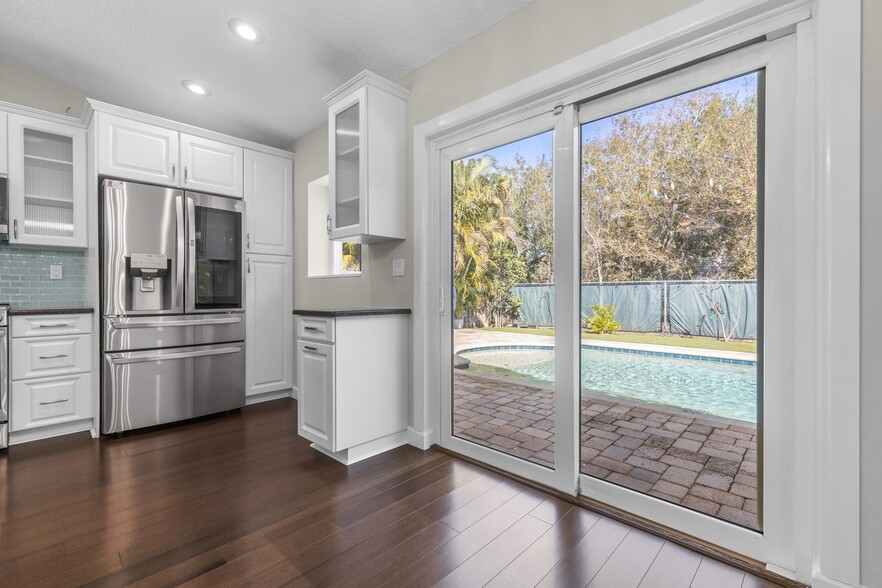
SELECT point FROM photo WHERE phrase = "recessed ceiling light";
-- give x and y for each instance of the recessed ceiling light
(196, 88)
(246, 31)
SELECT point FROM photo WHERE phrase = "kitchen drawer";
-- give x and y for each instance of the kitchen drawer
(315, 328)
(35, 357)
(46, 325)
(50, 401)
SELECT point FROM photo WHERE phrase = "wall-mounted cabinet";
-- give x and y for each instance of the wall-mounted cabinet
(269, 202)
(47, 182)
(367, 152)
(135, 150)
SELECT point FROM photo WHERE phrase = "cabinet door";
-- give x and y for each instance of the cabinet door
(4, 167)
(268, 203)
(47, 183)
(315, 383)
(211, 166)
(348, 173)
(50, 401)
(269, 324)
(137, 151)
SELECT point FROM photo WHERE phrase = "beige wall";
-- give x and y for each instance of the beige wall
(27, 88)
(871, 295)
(540, 35)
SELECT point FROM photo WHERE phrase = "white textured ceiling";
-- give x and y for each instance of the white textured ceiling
(135, 53)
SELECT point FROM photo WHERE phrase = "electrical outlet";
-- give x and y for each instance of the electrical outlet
(55, 272)
(397, 268)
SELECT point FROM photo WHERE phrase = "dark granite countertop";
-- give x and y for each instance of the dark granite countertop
(51, 310)
(343, 312)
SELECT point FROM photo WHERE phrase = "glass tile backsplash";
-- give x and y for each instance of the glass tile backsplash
(24, 277)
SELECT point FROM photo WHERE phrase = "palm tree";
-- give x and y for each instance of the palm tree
(480, 194)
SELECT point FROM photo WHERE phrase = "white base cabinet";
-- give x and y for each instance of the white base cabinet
(51, 375)
(269, 324)
(352, 383)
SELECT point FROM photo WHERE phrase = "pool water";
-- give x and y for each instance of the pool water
(705, 387)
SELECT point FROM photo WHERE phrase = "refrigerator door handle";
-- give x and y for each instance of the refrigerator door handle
(183, 323)
(190, 246)
(181, 247)
(125, 358)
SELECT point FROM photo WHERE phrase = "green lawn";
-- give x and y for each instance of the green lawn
(648, 338)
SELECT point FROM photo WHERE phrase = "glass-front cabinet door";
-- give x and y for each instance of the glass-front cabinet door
(47, 183)
(216, 254)
(347, 151)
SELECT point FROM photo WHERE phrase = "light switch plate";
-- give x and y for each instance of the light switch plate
(55, 272)
(397, 268)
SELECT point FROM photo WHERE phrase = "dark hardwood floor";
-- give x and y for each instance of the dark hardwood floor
(242, 500)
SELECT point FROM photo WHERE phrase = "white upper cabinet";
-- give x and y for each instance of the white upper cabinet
(269, 186)
(367, 142)
(47, 182)
(4, 167)
(137, 151)
(211, 166)
(134, 150)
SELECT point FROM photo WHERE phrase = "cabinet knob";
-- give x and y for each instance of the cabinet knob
(248, 240)
(185, 174)
(248, 264)
(15, 229)
(173, 172)
(329, 224)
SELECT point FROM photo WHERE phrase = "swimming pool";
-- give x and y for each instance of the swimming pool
(721, 388)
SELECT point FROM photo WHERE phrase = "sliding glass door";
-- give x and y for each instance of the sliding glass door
(621, 286)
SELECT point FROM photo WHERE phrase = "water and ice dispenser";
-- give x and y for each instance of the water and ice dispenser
(149, 288)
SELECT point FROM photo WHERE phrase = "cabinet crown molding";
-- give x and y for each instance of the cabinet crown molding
(368, 78)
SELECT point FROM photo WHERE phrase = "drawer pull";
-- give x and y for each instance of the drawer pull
(53, 325)
(53, 402)
(60, 355)
(310, 348)
(311, 328)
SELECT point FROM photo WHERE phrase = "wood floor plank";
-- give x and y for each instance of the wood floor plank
(496, 555)
(582, 563)
(628, 564)
(674, 567)
(547, 551)
(242, 500)
(713, 574)
(431, 569)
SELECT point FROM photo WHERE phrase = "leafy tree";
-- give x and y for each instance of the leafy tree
(532, 211)
(480, 194)
(670, 192)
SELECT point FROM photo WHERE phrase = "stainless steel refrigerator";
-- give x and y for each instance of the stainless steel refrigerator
(172, 298)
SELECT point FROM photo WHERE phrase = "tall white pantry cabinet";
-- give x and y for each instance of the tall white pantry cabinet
(269, 277)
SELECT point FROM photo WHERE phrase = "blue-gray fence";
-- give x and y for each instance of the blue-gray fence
(723, 309)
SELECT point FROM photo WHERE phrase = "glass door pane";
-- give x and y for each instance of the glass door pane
(670, 301)
(218, 258)
(347, 147)
(503, 299)
(48, 184)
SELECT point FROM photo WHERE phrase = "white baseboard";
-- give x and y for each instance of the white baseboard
(365, 450)
(257, 398)
(29, 435)
(295, 393)
(819, 580)
(420, 439)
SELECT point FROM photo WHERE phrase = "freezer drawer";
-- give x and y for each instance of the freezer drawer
(146, 388)
(154, 332)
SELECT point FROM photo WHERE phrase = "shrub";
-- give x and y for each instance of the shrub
(603, 320)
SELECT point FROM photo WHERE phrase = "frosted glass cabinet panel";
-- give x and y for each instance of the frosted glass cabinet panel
(47, 183)
(346, 167)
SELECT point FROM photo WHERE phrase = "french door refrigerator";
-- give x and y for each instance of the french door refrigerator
(172, 283)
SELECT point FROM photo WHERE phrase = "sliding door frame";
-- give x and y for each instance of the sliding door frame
(823, 543)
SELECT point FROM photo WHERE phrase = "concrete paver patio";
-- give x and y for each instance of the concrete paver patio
(705, 463)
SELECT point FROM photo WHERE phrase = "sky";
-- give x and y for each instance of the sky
(531, 148)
